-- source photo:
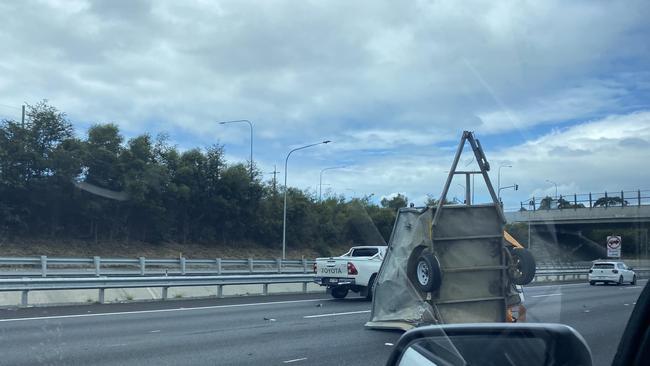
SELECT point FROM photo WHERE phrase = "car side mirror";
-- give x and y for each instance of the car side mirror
(492, 344)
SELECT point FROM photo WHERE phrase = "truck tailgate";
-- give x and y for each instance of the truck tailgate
(332, 268)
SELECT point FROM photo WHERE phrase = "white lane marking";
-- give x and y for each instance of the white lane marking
(546, 295)
(336, 314)
(626, 304)
(631, 287)
(388, 344)
(532, 287)
(155, 331)
(295, 360)
(161, 310)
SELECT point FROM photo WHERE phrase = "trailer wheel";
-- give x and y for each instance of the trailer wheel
(424, 271)
(522, 266)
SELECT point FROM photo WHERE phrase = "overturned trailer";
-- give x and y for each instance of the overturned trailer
(450, 263)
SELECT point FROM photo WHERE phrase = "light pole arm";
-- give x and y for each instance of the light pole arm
(320, 180)
(250, 124)
(284, 215)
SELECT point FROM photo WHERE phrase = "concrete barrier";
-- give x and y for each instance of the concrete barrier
(67, 297)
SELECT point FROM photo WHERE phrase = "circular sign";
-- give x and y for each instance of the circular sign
(614, 242)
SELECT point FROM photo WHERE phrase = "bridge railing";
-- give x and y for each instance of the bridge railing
(587, 200)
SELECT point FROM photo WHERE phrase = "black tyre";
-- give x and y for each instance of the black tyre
(620, 281)
(592, 283)
(425, 272)
(522, 267)
(634, 280)
(339, 292)
(371, 286)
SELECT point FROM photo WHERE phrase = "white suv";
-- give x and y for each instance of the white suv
(614, 272)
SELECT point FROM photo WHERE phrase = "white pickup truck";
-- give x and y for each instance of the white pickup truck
(353, 271)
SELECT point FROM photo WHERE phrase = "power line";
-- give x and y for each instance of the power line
(9, 106)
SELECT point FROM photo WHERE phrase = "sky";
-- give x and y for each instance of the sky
(559, 91)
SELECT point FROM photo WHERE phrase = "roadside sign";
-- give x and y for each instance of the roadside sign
(614, 246)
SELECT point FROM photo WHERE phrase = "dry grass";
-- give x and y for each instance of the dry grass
(79, 248)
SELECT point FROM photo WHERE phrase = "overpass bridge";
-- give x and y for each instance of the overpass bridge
(591, 215)
(621, 207)
(558, 223)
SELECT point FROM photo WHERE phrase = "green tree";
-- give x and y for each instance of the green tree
(562, 203)
(610, 201)
(193, 195)
(396, 202)
(545, 203)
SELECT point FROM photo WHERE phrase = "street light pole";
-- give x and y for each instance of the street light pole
(250, 124)
(284, 216)
(550, 181)
(499, 181)
(320, 181)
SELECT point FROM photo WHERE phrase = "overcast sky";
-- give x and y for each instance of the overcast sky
(559, 90)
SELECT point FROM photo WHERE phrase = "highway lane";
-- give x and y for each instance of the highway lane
(599, 313)
(278, 330)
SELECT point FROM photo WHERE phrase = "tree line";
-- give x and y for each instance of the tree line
(101, 187)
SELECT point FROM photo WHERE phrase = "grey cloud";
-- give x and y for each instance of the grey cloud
(634, 142)
(308, 70)
(563, 151)
(314, 61)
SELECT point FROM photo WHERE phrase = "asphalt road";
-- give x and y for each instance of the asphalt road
(276, 330)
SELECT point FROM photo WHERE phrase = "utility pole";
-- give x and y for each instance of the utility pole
(274, 172)
(22, 120)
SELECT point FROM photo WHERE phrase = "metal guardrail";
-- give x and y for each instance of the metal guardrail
(102, 283)
(44, 266)
(115, 273)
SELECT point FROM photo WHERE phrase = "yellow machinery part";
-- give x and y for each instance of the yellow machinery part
(512, 241)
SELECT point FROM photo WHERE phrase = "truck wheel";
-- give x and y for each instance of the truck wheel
(522, 267)
(371, 286)
(634, 280)
(425, 272)
(339, 292)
